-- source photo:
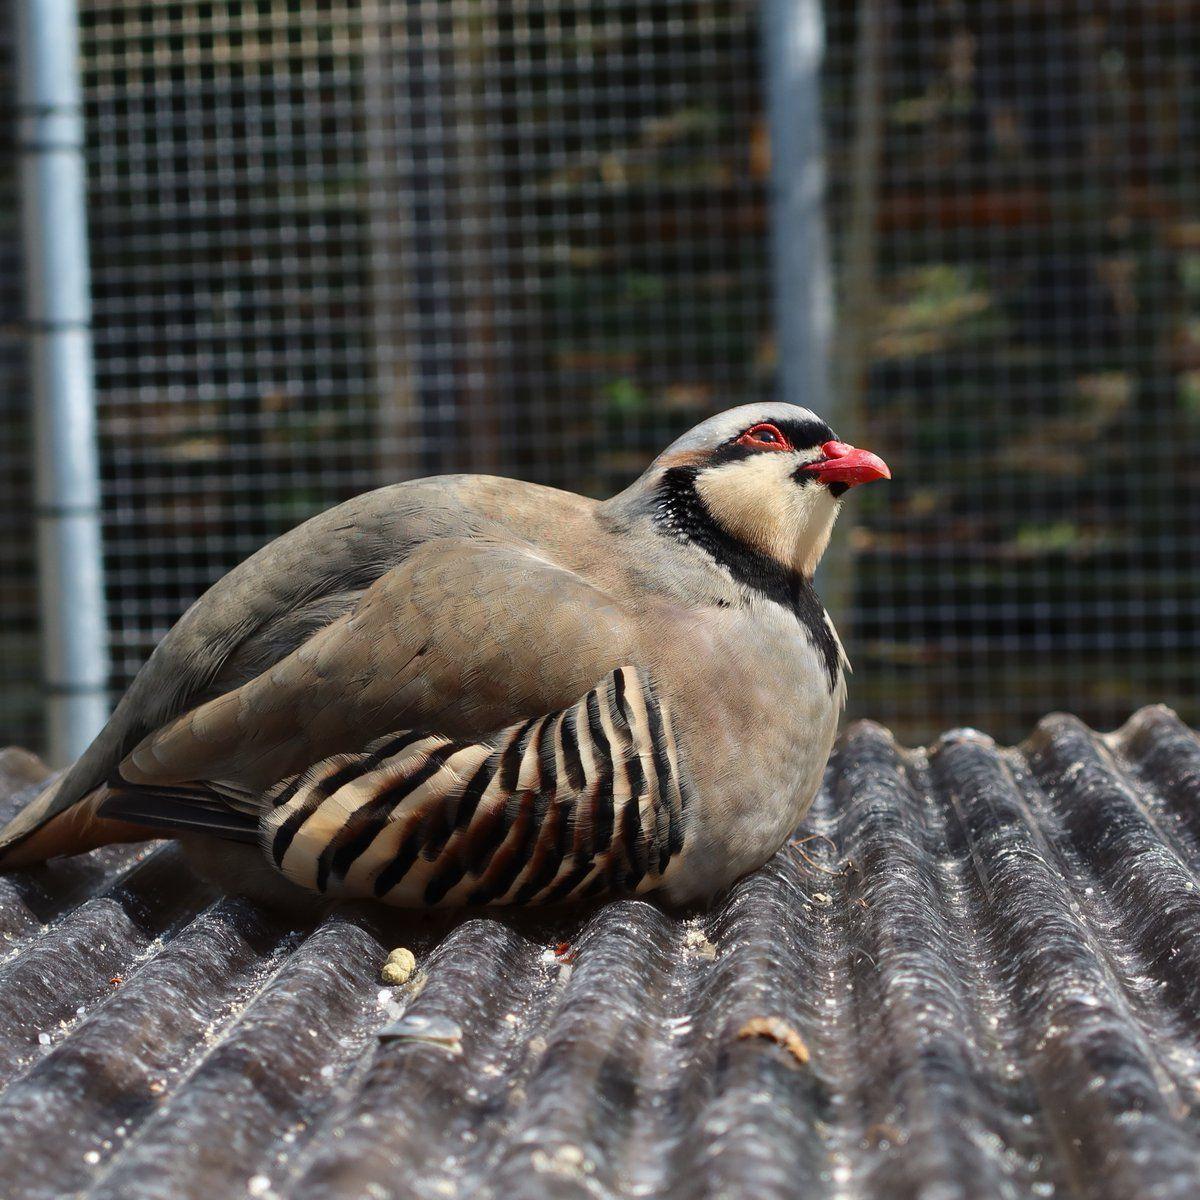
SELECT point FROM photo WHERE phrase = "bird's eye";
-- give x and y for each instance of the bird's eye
(764, 437)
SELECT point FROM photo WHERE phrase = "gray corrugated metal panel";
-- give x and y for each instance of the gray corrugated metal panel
(978, 977)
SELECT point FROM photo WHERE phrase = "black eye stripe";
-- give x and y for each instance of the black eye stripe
(732, 452)
(803, 435)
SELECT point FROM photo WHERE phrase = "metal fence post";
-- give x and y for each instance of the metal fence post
(53, 185)
(794, 42)
(793, 50)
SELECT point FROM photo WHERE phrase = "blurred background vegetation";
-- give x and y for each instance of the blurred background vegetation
(337, 244)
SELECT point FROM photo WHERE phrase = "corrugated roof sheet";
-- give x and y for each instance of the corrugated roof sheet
(976, 974)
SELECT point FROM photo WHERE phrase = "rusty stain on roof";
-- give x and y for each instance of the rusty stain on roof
(976, 975)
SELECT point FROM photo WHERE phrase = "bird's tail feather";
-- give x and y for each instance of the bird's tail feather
(46, 829)
(182, 810)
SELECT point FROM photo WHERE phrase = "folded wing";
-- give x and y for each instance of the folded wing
(463, 638)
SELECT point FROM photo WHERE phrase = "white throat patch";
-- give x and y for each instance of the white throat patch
(758, 502)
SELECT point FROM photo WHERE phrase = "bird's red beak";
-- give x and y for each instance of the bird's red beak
(848, 465)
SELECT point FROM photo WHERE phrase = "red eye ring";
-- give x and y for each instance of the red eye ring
(764, 436)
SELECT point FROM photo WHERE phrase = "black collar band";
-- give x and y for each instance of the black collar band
(680, 513)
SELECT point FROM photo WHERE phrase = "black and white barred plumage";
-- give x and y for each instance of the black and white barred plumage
(587, 799)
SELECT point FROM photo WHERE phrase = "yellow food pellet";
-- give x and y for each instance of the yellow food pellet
(400, 965)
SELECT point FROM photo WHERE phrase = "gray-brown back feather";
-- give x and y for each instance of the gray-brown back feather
(275, 600)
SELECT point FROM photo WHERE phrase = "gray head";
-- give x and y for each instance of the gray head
(765, 479)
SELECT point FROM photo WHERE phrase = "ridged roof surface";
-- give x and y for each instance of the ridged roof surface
(976, 974)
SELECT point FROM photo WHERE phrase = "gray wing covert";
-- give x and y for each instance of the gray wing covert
(462, 638)
(256, 614)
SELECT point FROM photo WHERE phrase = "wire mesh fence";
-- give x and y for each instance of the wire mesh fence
(337, 244)
(1017, 190)
(20, 692)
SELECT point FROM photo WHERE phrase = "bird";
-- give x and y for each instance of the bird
(468, 690)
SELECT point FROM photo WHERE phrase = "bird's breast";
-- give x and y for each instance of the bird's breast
(757, 717)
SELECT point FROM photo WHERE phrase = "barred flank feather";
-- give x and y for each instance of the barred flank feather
(588, 799)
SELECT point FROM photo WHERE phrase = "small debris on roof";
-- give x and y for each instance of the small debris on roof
(568, 1162)
(797, 846)
(697, 942)
(399, 968)
(433, 1031)
(778, 1031)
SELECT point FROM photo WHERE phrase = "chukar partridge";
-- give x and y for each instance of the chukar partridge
(469, 690)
